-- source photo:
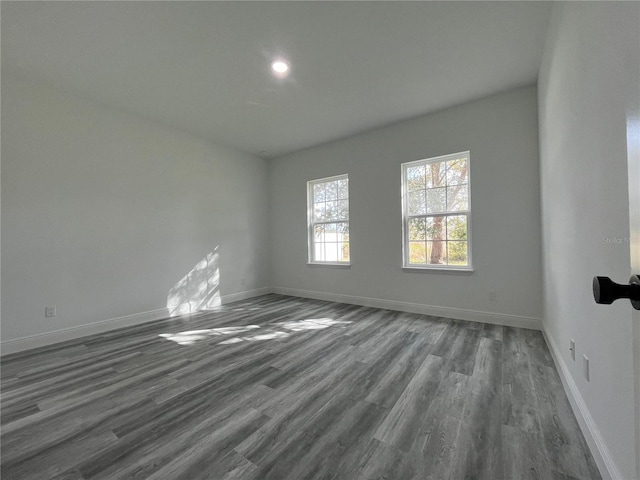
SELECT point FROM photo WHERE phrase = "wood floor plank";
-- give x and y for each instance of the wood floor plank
(478, 452)
(57, 460)
(301, 419)
(400, 373)
(524, 455)
(378, 460)
(401, 427)
(277, 388)
(564, 442)
(231, 467)
(345, 436)
(195, 460)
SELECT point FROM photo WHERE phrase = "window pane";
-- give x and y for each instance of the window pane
(331, 191)
(416, 178)
(343, 188)
(436, 200)
(318, 193)
(457, 198)
(457, 171)
(417, 253)
(436, 228)
(417, 229)
(343, 229)
(416, 204)
(319, 212)
(344, 252)
(436, 207)
(457, 227)
(342, 210)
(436, 253)
(332, 211)
(457, 253)
(329, 242)
(436, 174)
(330, 252)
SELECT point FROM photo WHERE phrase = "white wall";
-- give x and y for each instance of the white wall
(103, 213)
(591, 55)
(501, 133)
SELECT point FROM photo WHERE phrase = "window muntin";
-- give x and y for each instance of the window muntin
(328, 220)
(436, 213)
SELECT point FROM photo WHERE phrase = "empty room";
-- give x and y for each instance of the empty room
(320, 240)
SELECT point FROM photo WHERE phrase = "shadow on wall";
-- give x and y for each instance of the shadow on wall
(199, 289)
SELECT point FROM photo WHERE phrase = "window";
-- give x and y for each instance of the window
(328, 219)
(436, 213)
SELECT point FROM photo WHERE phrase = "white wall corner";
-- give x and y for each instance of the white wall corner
(592, 435)
(236, 297)
(419, 308)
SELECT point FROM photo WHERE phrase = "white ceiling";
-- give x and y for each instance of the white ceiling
(203, 67)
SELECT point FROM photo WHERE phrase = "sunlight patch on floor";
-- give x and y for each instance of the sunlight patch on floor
(255, 332)
(192, 336)
(311, 324)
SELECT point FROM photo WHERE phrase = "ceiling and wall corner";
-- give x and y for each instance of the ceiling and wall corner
(204, 67)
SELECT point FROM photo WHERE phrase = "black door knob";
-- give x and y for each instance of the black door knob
(606, 291)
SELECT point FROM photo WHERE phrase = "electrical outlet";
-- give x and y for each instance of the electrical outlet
(50, 311)
(572, 348)
(585, 366)
(493, 296)
(243, 281)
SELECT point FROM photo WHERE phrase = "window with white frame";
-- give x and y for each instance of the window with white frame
(328, 220)
(437, 213)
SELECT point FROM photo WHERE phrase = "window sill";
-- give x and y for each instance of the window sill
(329, 264)
(452, 271)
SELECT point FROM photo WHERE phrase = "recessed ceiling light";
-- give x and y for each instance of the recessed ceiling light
(280, 68)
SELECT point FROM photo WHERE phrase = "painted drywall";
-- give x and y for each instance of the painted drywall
(590, 61)
(501, 132)
(103, 214)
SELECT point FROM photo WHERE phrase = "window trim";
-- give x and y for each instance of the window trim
(310, 224)
(405, 217)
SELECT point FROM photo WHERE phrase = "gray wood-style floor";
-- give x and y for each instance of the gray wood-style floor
(281, 388)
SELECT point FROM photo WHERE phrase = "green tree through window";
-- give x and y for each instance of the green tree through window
(328, 220)
(436, 212)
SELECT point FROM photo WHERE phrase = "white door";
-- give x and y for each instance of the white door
(633, 150)
(604, 290)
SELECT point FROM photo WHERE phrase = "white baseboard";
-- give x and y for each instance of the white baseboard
(71, 333)
(592, 435)
(436, 311)
(65, 334)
